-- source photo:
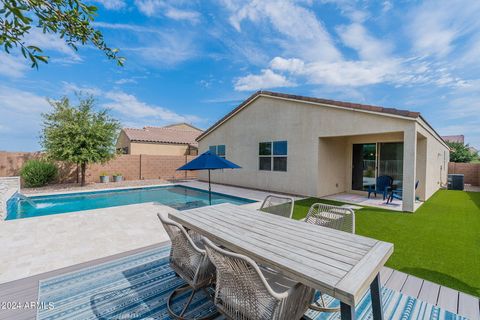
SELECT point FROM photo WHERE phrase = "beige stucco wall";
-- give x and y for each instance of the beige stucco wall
(158, 149)
(123, 141)
(320, 147)
(437, 158)
(311, 172)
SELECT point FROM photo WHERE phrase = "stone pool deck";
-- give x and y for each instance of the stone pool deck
(36, 245)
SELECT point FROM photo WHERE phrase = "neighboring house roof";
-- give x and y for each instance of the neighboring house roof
(163, 135)
(180, 124)
(458, 138)
(320, 102)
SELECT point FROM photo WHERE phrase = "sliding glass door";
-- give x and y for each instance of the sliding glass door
(371, 160)
(390, 161)
(364, 165)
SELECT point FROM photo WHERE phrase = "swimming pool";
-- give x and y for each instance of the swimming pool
(175, 196)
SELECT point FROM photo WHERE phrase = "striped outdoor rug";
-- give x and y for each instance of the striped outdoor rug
(137, 287)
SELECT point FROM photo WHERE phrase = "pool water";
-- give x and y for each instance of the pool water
(175, 196)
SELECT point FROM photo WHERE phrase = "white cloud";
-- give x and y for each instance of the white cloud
(266, 80)
(387, 6)
(369, 48)
(125, 26)
(12, 66)
(293, 65)
(48, 41)
(112, 4)
(149, 7)
(166, 8)
(167, 50)
(130, 106)
(70, 88)
(177, 14)
(125, 81)
(20, 121)
(437, 25)
(23, 102)
(163, 48)
(304, 35)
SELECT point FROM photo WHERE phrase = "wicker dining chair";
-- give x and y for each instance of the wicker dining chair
(278, 205)
(333, 217)
(190, 263)
(244, 291)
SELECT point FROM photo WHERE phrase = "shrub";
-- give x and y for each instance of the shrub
(37, 173)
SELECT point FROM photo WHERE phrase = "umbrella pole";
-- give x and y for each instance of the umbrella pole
(209, 189)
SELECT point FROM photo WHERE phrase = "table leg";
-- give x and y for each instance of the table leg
(376, 293)
(346, 312)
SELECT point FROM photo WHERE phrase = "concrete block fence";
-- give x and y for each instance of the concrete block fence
(132, 167)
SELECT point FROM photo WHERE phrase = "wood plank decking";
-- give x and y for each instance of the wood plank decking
(466, 305)
(446, 298)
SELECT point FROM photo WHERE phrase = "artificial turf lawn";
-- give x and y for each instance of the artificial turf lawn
(440, 242)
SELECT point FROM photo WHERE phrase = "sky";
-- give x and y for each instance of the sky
(194, 60)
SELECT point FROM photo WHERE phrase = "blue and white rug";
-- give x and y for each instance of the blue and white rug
(138, 286)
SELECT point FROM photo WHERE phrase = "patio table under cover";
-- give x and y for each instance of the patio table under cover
(337, 263)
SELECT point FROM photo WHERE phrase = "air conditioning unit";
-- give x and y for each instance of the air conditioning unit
(456, 182)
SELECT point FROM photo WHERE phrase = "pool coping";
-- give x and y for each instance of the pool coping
(46, 194)
(94, 190)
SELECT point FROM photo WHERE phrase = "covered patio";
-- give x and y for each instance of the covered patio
(356, 161)
(356, 201)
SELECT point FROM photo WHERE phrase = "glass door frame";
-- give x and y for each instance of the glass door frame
(375, 169)
(378, 155)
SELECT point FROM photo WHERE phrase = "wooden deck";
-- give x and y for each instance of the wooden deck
(466, 305)
(446, 298)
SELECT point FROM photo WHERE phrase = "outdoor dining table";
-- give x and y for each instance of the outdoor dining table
(337, 263)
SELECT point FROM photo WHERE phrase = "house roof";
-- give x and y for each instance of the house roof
(181, 124)
(163, 135)
(327, 102)
(458, 138)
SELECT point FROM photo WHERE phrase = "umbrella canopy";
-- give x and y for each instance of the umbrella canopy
(209, 161)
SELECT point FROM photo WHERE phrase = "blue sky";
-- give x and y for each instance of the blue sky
(194, 61)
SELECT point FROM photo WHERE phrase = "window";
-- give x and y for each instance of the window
(272, 156)
(218, 150)
(221, 151)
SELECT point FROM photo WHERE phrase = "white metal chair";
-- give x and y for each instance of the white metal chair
(244, 291)
(278, 205)
(330, 216)
(333, 217)
(190, 263)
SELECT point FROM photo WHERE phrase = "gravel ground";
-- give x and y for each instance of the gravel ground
(90, 186)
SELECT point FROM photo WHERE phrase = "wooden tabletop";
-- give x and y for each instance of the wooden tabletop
(337, 263)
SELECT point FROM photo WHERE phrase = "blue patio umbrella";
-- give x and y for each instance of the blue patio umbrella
(209, 161)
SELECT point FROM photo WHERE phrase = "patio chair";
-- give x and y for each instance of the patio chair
(398, 193)
(333, 217)
(330, 216)
(278, 205)
(190, 263)
(244, 291)
(383, 185)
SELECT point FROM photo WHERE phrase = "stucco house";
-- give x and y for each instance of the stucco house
(318, 147)
(173, 140)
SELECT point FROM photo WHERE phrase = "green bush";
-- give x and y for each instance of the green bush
(37, 173)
